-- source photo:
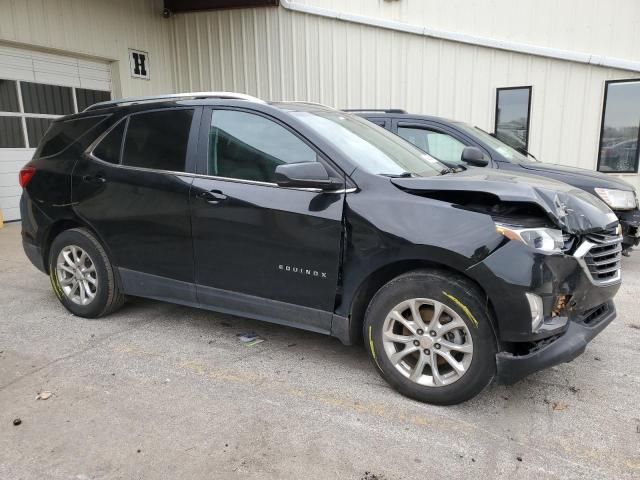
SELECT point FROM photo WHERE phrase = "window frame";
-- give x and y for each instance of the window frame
(495, 123)
(603, 112)
(202, 168)
(22, 115)
(192, 142)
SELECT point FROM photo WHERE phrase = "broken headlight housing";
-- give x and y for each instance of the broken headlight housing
(548, 240)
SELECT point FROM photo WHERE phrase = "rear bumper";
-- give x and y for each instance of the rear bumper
(34, 254)
(555, 350)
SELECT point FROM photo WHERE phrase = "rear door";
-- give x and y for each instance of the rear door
(262, 250)
(131, 188)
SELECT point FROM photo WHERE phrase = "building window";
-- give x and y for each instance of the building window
(86, 98)
(619, 133)
(27, 109)
(513, 107)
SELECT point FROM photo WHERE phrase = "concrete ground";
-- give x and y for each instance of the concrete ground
(164, 391)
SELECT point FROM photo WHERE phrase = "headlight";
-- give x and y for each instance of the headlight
(617, 199)
(544, 239)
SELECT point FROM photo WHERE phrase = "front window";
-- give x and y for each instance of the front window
(370, 147)
(619, 136)
(246, 146)
(507, 152)
(437, 144)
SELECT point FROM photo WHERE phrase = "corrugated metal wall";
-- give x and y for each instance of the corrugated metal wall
(594, 26)
(105, 29)
(278, 54)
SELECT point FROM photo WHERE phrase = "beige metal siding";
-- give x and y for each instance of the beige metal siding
(103, 29)
(594, 26)
(277, 54)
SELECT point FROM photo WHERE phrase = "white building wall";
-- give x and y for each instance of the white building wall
(599, 27)
(278, 54)
(96, 28)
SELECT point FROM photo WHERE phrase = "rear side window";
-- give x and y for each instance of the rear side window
(61, 134)
(158, 140)
(109, 148)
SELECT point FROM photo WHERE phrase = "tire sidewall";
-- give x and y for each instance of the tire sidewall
(460, 297)
(97, 306)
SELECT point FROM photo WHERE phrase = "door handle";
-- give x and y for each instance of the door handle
(94, 179)
(212, 196)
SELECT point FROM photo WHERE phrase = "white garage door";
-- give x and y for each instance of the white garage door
(36, 87)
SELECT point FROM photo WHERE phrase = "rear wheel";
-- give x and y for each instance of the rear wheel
(82, 276)
(430, 336)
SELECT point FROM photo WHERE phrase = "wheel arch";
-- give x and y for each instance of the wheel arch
(57, 228)
(375, 280)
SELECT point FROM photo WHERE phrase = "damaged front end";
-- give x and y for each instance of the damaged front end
(552, 278)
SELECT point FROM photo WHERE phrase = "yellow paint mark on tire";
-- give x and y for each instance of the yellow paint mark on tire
(464, 308)
(373, 351)
(57, 289)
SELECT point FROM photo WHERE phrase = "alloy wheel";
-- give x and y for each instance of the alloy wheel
(427, 342)
(76, 274)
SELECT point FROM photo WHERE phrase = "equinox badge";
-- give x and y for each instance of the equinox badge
(302, 271)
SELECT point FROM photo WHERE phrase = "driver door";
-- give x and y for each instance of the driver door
(260, 249)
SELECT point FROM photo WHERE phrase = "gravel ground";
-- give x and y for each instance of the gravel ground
(164, 391)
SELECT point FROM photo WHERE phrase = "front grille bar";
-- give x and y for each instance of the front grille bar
(600, 256)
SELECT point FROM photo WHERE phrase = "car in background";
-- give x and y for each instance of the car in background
(458, 144)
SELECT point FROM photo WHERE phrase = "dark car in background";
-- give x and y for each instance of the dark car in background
(447, 140)
(302, 215)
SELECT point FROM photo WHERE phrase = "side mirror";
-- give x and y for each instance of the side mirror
(306, 175)
(474, 156)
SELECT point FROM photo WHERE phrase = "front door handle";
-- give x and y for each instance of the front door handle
(212, 196)
(96, 179)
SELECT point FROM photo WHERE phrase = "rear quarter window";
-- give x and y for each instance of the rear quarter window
(63, 133)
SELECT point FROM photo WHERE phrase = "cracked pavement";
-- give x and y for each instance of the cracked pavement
(164, 391)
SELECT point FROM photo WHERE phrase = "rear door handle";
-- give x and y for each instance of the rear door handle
(212, 196)
(94, 179)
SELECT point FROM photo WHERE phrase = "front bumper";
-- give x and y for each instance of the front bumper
(513, 270)
(555, 350)
(630, 222)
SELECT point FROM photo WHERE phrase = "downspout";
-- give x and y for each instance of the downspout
(524, 48)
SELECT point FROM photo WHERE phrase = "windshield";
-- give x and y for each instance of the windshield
(509, 153)
(369, 146)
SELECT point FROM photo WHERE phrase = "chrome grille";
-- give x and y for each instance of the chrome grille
(604, 257)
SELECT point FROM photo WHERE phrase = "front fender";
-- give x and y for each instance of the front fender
(383, 229)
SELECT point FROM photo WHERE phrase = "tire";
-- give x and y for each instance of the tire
(101, 278)
(464, 334)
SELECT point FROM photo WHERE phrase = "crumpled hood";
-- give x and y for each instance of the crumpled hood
(579, 177)
(571, 209)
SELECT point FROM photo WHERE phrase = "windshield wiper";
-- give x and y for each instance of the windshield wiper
(397, 175)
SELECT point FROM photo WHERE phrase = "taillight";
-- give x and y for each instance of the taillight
(25, 175)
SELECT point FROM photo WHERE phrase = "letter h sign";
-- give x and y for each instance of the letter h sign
(139, 64)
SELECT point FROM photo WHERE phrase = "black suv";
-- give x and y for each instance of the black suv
(446, 140)
(306, 216)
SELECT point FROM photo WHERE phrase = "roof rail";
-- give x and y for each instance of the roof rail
(174, 96)
(379, 110)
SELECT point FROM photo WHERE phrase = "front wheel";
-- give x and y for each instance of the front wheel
(429, 334)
